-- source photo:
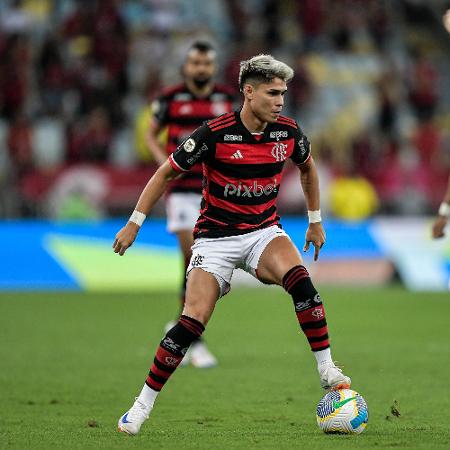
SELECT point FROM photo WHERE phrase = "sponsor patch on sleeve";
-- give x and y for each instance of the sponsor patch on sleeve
(189, 145)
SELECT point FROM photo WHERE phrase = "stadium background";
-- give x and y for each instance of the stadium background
(372, 93)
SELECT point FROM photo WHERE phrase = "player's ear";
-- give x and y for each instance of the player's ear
(248, 91)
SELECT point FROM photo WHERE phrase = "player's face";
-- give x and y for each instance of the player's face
(267, 100)
(200, 67)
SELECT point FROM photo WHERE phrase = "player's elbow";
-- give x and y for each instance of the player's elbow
(308, 166)
(166, 172)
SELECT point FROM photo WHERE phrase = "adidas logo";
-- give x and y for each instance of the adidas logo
(237, 155)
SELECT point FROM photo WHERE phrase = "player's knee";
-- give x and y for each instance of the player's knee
(198, 309)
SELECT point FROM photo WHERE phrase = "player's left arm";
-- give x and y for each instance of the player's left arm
(309, 179)
(315, 233)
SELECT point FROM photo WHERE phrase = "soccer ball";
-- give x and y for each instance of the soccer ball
(342, 411)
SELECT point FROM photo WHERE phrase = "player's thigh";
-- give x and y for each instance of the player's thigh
(278, 257)
(202, 293)
(219, 257)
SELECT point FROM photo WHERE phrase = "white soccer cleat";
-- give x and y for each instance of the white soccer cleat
(132, 420)
(332, 378)
(200, 356)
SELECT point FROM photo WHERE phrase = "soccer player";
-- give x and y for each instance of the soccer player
(180, 110)
(243, 154)
(442, 217)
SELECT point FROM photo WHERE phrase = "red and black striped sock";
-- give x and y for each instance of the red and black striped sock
(308, 307)
(171, 351)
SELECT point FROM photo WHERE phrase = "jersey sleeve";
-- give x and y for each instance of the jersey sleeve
(302, 148)
(195, 149)
(160, 110)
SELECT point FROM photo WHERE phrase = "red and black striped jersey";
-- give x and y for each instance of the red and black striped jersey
(241, 174)
(182, 112)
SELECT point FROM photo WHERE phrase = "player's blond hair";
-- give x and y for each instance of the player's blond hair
(263, 69)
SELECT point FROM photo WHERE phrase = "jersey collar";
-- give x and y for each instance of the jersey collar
(247, 132)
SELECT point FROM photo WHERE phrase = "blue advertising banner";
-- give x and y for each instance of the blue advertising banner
(44, 255)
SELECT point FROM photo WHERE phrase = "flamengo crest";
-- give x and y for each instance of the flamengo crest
(279, 151)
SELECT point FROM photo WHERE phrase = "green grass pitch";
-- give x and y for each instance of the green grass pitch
(71, 364)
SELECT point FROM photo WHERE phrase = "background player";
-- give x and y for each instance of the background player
(444, 212)
(180, 110)
(243, 154)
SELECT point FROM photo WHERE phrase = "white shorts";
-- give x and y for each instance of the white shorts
(220, 256)
(182, 211)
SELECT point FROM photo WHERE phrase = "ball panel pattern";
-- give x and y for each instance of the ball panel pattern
(342, 411)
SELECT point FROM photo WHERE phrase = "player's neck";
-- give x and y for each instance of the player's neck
(199, 92)
(250, 121)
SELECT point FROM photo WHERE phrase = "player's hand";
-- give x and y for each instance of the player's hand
(125, 238)
(315, 235)
(438, 227)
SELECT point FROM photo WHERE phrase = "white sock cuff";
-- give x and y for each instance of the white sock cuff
(323, 356)
(148, 396)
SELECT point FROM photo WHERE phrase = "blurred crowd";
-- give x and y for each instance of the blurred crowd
(76, 78)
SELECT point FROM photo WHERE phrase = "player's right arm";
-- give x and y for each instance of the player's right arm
(442, 217)
(193, 150)
(149, 196)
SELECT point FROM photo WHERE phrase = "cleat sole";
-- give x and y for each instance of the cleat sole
(123, 430)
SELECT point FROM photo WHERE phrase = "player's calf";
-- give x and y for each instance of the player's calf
(168, 356)
(311, 318)
(308, 307)
(171, 351)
